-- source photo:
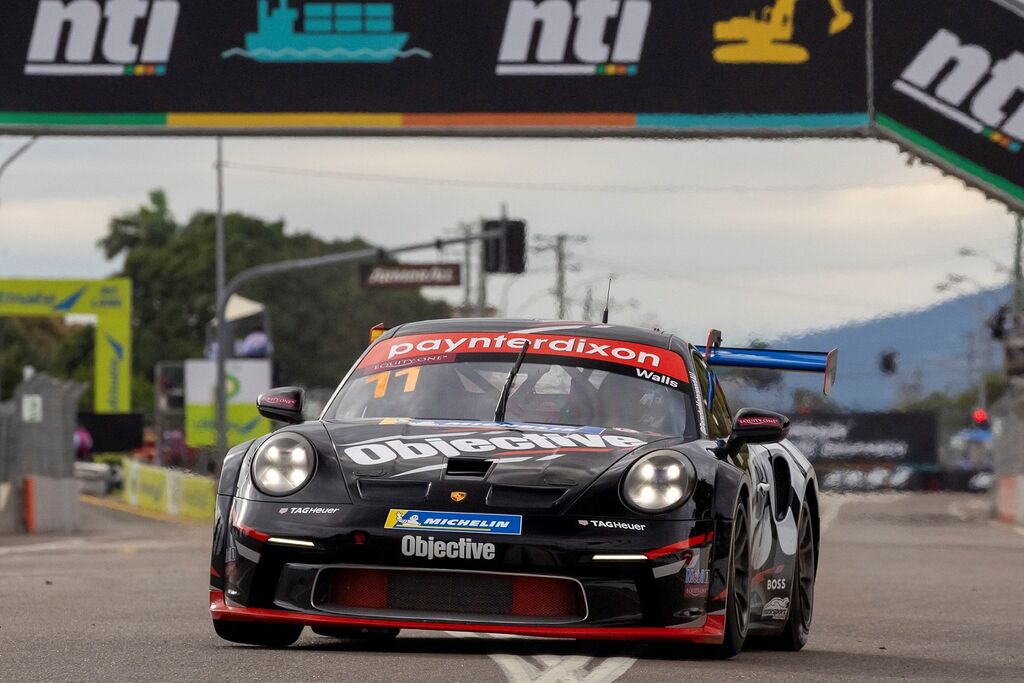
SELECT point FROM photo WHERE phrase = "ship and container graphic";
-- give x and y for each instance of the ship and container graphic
(326, 32)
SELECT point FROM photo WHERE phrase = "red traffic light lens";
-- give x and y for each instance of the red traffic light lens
(980, 416)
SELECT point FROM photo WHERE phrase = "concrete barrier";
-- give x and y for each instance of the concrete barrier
(10, 509)
(1010, 499)
(169, 492)
(50, 504)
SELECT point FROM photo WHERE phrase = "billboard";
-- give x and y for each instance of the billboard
(246, 380)
(110, 303)
(867, 439)
(950, 82)
(458, 65)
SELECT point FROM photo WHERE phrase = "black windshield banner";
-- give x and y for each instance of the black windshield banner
(571, 65)
(950, 82)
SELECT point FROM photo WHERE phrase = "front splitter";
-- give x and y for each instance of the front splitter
(711, 633)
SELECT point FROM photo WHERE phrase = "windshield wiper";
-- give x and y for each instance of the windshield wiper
(499, 411)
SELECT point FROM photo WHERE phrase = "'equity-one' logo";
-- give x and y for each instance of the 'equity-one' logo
(571, 38)
(102, 38)
(957, 96)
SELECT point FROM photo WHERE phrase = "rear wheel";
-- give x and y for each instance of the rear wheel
(737, 610)
(801, 604)
(265, 635)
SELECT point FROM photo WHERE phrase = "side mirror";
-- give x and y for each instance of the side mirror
(283, 405)
(753, 426)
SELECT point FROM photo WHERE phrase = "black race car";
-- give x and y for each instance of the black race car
(569, 480)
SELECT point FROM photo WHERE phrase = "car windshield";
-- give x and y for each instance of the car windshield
(551, 388)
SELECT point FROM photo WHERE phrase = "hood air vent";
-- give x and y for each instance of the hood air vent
(468, 468)
(535, 497)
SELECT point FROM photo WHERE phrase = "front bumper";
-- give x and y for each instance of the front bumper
(664, 582)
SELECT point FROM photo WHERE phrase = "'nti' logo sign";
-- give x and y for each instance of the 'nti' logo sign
(97, 38)
(581, 38)
(973, 91)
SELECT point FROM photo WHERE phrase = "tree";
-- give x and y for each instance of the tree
(811, 401)
(320, 318)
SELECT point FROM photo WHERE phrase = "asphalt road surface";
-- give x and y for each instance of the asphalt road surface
(910, 586)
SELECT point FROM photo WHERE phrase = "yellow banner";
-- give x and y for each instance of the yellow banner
(110, 301)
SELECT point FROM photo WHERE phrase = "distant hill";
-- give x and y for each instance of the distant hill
(932, 348)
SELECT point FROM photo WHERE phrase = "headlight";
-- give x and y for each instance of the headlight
(283, 464)
(659, 481)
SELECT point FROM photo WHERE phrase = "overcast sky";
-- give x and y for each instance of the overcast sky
(859, 233)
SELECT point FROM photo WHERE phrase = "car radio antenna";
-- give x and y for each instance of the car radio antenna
(607, 302)
(499, 411)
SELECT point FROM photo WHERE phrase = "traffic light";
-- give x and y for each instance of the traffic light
(997, 323)
(887, 362)
(979, 419)
(505, 253)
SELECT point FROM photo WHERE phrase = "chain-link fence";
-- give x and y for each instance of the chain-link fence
(37, 429)
(7, 426)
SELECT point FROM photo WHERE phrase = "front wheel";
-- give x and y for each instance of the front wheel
(265, 635)
(737, 611)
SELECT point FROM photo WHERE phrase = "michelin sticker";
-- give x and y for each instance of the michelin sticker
(456, 522)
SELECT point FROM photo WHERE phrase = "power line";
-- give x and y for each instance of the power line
(353, 176)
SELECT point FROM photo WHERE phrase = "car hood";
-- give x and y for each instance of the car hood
(442, 462)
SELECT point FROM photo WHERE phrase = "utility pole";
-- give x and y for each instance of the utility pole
(467, 282)
(481, 283)
(560, 274)
(223, 340)
(559, 244)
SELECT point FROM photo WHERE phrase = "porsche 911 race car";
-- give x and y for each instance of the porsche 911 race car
(565, 480)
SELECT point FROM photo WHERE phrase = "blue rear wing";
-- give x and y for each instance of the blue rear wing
(773, 359)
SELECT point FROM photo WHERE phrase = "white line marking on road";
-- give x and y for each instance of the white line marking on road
(69, 544)
(996, 524)
(80, 545)
(554, 668)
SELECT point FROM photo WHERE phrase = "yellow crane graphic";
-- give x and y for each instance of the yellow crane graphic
(767, 39)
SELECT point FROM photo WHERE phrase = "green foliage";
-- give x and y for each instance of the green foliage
(320, 319)
(811, 401)
(47, 344)
(955, 410)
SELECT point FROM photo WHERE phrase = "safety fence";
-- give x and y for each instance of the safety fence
(38, 492)
(169, 492)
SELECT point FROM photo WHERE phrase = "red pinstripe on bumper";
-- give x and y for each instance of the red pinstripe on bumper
(710, 634)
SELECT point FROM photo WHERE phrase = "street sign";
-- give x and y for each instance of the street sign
(32, 408)
(408, 275)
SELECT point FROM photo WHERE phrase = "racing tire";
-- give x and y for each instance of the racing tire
(264, 635)
(801, 611)
(737, 611)
(357, 633)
